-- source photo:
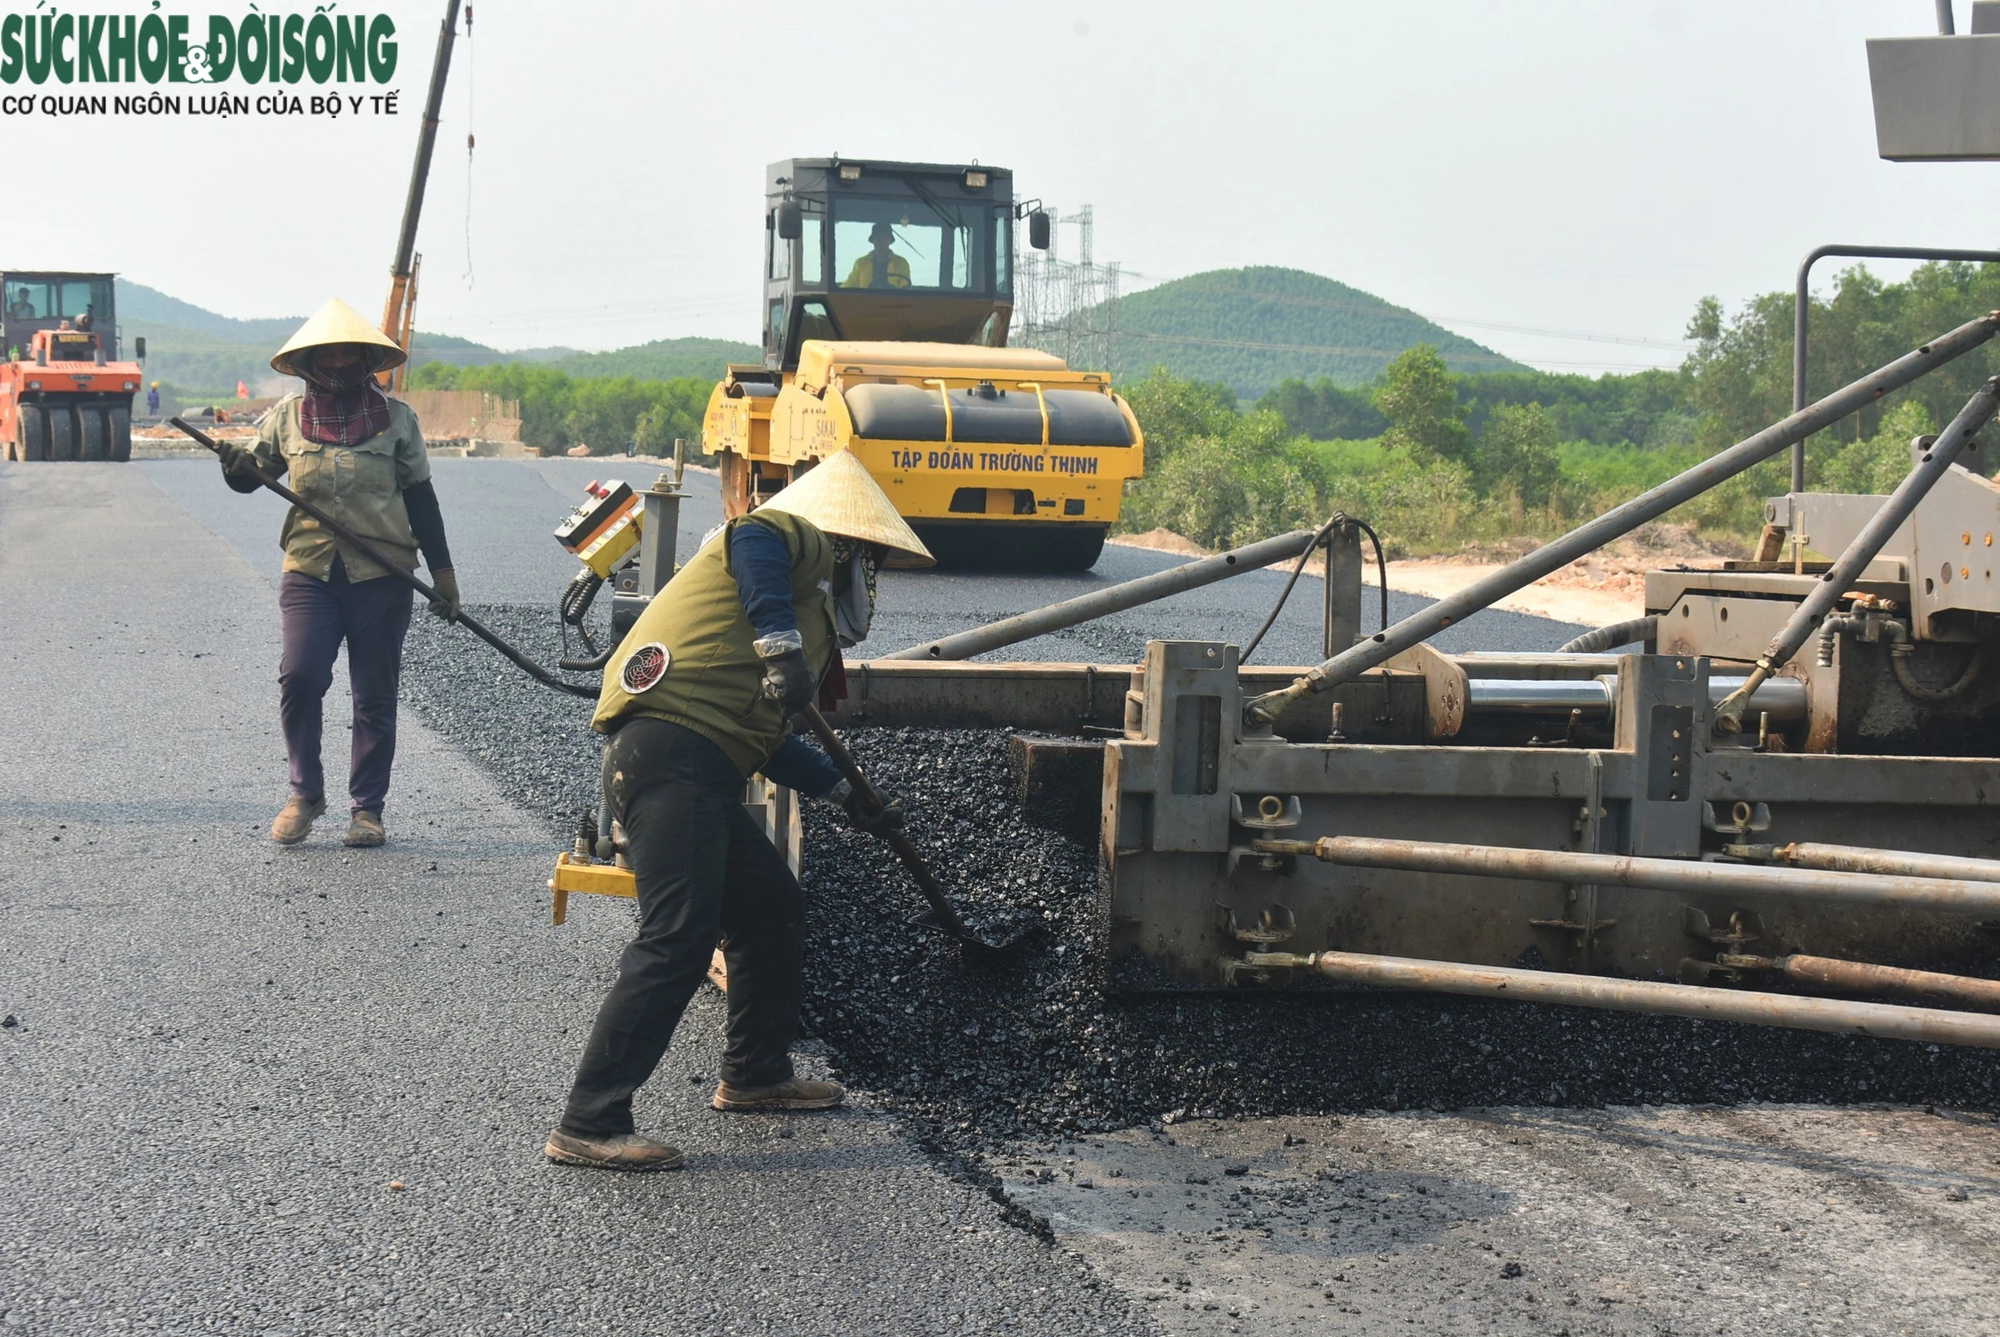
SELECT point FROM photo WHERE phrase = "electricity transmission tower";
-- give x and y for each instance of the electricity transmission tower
(1068, 307)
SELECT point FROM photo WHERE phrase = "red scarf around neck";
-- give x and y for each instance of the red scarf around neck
(342, 407)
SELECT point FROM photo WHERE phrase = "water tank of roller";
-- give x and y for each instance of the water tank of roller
(987, 415)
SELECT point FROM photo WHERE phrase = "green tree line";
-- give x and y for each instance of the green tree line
(1438, 459)
(559, 411)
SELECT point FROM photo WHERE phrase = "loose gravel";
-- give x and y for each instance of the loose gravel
(981, 1053)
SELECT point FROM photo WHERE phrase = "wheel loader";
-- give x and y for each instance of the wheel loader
(888, 293)
(64, 393)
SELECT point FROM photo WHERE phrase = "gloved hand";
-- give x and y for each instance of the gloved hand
(881, 825)
(236, 457)
(445, 582)
(788, 681)
(787, 678)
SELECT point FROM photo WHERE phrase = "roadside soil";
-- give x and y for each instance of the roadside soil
(163, 441)
(1604, 587)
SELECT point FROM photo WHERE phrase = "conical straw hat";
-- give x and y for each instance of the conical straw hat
(338, 323)
(842, 497)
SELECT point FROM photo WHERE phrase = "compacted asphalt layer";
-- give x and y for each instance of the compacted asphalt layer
(303, 1091)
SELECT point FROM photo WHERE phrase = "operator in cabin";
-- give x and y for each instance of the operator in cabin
(700, 696)
(881, 267)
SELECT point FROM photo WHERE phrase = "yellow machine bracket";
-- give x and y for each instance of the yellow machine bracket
(603, 879)
(593, 879)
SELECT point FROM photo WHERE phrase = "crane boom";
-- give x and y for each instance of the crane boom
(399, 314)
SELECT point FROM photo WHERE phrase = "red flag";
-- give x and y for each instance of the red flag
(242, 390)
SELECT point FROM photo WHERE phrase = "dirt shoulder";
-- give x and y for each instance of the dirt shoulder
(1604, 587)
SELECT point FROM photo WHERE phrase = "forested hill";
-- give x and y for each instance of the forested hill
(662, 359)
(143, 310)
(201, 355)
(1252, 328)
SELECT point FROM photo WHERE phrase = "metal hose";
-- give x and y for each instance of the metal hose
(1900, 650)
(1617, 634)
(1918, 692)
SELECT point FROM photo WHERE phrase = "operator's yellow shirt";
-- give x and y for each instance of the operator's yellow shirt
(863, 273)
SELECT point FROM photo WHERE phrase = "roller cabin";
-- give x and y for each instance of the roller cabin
(888, 298)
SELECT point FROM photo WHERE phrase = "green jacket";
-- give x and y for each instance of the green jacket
(709, 678)
(360, 486)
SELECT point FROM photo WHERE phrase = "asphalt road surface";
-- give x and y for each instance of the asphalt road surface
(251, 1090)
(500, 515)
(1765, 1221)
(219, 1056)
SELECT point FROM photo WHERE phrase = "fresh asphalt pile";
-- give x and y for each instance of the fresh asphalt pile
(1028, 1045)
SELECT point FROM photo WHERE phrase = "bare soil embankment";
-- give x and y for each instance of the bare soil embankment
(1603, 587)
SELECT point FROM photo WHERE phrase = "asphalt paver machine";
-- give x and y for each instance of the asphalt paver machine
(1774, 798)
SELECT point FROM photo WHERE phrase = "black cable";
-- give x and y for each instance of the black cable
(1381, 568)
(1286, 593)
(1382, 584)
(578, 595)
(590, 665)
(574, 606)
(1325, 531)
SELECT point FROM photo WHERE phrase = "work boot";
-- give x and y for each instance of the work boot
(797, 1094)
(364, 830)
(627, 1151)
(295, 823)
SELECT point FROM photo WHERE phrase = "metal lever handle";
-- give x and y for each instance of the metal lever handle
(394, 568)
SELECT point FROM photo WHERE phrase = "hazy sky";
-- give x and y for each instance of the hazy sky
(1525, 173)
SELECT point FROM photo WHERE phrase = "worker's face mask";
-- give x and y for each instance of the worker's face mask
(322, 374)
(853, 588)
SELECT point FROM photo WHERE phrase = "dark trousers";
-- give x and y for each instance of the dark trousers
(372, 617)
(705, 872)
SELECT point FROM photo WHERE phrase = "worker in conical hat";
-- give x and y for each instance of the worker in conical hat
(697, 698)
(358, 455)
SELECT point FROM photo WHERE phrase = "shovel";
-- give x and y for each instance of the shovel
(943, 915)
(394, 568)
